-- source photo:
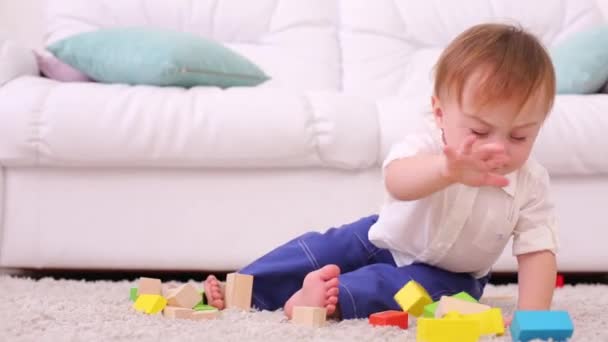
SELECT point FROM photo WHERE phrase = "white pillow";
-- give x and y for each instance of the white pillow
(16, 61)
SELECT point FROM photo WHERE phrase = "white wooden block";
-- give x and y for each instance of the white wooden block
(175, 312)
(149, 286)
(185, 296)
(449, 304)
(309, 316)
(238, 291)
(204, 315)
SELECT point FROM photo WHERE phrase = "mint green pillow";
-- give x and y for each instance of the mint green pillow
(156, 57)
(581, 62)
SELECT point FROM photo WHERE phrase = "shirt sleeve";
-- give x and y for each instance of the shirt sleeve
(536, 228)
(411, 146)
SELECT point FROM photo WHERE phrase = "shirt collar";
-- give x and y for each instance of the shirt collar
(510, 189)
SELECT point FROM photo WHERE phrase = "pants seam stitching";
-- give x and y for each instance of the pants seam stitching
(352, 299)
(309, 254)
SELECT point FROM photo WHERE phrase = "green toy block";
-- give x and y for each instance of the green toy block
(203, 307)
(133, 294)
(465, 296)
(429, 310)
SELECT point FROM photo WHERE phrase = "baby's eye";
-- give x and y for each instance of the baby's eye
(518, 139)
(479, 133)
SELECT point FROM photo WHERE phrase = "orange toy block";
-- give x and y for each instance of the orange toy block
(150, 286)
(309, 316)
(177, 312)
(238, 291)
(389, 318)
(185, 296)
(449, 304)
(204, 315)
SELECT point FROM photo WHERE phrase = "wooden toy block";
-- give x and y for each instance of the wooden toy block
(412, 298)
(133, 294)
(309, 316)
(389, 318)
(238, 291)
(166, 288)
(185, 296)
(429, 310)
(447, 330)
(175, 312)
(491, 321)
(150, 286)
(497, 298)
(544, 325)
(150, 304)
(204, 315)
(447, 304)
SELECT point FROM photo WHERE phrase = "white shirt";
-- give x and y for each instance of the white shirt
(463, 228)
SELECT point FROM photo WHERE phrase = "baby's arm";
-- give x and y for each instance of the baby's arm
(418, 176)
(535, 243)
(536, 277)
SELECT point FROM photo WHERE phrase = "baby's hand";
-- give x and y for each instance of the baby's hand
(474, 167)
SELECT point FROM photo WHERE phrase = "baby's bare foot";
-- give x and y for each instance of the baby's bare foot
(213, 292)
(320, 289)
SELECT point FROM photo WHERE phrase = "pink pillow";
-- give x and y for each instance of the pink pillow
(51, 67)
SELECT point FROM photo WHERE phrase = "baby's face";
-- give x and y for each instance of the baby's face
(502, 124)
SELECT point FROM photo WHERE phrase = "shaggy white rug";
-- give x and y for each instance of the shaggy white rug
(67, 310)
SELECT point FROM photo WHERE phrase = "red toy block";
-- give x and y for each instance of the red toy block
(389, 318)
(559, 281)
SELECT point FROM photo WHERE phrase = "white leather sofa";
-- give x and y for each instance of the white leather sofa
(101, 176)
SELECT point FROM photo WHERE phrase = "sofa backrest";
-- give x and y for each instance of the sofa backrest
(371, 48)
(389, 47)
(294, 41)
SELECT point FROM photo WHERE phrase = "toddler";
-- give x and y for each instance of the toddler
(456, 191)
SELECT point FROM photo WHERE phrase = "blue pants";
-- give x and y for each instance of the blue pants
(369, 278)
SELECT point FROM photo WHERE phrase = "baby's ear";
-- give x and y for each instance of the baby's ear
(437, 111)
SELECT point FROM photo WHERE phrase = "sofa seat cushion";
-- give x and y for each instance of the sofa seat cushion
(44, 122)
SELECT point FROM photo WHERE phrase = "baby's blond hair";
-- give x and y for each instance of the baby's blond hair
(514, 65)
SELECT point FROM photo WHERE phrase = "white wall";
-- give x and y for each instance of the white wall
(22, 20)
(603, 6)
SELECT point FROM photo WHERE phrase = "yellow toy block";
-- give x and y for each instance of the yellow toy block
(448, 329)
(412, 298)
(491, 322)
(150, 304)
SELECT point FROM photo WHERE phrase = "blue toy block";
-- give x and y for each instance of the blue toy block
(544, 325)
